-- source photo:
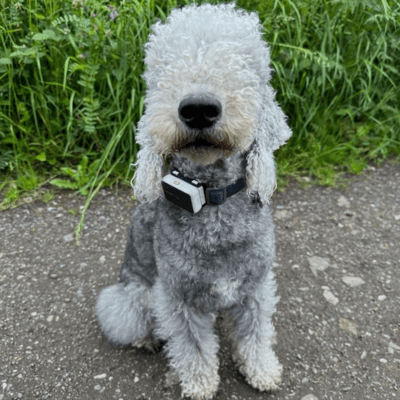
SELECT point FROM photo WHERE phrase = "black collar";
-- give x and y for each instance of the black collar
(216, 196)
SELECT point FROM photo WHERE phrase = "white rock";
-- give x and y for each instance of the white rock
(318, 264)
(101, 376)
(394, 346)
(282, 214)
(353, 281)
(348, 326)
(68, 238)
(309, 397)
(103, 259)
(382, 297)
(343, 202)
(329, 297)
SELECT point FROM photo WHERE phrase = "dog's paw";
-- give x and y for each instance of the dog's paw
(201, 387)
(263, 379)
(262, 373)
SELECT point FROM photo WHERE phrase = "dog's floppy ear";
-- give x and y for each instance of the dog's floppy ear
(149, 166)
(273, 132)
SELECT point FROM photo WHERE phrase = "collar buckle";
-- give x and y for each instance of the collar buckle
(215, 197)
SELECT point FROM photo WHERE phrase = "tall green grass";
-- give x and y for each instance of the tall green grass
(71, 90)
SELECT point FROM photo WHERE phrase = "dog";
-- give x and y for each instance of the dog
(201, 243)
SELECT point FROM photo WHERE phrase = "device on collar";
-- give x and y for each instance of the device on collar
(191, 195)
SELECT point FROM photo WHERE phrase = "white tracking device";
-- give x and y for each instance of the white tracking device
(183, 192)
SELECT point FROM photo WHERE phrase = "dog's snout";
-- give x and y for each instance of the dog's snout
(199, 112)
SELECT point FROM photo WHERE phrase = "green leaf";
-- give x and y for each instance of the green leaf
(70, 172)
(41, 156)
(64, 184)
(5, 61)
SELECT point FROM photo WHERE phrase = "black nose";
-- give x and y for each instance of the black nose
(199, 112)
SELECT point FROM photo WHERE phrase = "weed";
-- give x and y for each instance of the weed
(71, 91)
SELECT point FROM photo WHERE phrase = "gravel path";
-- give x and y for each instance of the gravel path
(338, 320)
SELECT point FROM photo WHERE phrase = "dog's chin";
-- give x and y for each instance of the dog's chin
(204, 153)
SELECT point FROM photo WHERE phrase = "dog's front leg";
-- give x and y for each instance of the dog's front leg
(192, 344)
(251, 331)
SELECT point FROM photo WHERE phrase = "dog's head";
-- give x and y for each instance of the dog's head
(208, 97)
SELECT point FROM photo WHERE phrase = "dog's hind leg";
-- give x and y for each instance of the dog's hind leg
(123, 314)
(192, 345)
(251, 333)
(122, 309)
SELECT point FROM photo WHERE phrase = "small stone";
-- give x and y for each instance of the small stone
(53, 276)
(382, 297)
(348, 326)
(343, 202)
(103, 259)
(68, 238)
(363, 355)
(50, 318)
(97, 387)
(330, 298)
(353, 281)
(101, 376)
(136, 380)
(282, 214)
(309, 397)
(383, 360)
(318, 264)
(394, 346)
(171, 378)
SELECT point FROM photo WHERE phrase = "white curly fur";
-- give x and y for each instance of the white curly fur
(182, 269)
(213, 49)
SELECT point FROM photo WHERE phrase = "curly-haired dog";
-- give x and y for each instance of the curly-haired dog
(210, 110)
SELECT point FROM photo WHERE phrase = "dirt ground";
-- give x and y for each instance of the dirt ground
(338, 319)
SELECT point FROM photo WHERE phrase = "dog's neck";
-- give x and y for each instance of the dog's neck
(221, 173)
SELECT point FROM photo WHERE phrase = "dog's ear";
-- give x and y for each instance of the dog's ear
(150, 166)
(272, 132)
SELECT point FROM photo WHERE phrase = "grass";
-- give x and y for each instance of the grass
(71, 91)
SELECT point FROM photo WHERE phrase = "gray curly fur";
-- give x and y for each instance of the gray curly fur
(181, 269)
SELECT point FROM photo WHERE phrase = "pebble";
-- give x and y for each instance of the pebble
(393, 347)
(68, 238)
(101, 376)
(103, 259)
(309, 397)
(318, 264)
(343, 202)
(282, 214)
(353, 281)
(330, 298)
(382, 297)
(348, 326)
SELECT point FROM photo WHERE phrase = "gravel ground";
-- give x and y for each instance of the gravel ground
(338, 320)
